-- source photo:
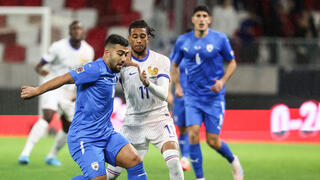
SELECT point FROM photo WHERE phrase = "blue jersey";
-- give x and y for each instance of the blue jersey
(94, 104)
(203, 59)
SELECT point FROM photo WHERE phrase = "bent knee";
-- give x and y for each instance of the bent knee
(136, 159)
(214, 143)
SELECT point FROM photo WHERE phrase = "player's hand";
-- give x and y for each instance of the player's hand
(179, 91)
(128, 61)
(74, 97)
(170, 99)
(143, 77)
(217, 86)
(28, 92)
(43, 72)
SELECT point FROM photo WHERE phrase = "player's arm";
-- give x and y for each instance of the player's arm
(28, 92)
(161, 89)
(170, 95)
(175, 75)
(39, 68)
(219, 83)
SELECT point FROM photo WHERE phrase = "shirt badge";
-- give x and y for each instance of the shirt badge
(79, 69)
(95, 166)
(153, 71)
(209, 47)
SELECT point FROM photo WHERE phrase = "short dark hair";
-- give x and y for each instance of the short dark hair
(201, 8)
(73, 23)
(141, 24)
(116, 39)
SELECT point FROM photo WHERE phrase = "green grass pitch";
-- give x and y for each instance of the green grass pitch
(260, 162)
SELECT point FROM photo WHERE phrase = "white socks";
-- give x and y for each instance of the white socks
(38, 130)
(171, 156)
(113, 172)
(59, 142)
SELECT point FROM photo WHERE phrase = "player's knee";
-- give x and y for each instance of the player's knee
(136, 159)
(213, 142)
(193, 137)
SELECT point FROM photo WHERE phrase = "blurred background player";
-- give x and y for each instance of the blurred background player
(92, 140)
(147, 118)
(203, 50)
(63, 55)
(179, 117)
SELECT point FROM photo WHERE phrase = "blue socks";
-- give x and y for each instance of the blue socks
(226, 152)
(79, 177)
(196, 159)
(184, 145)
(137, 172)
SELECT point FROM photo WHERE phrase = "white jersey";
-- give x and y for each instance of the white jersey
(141, 103)
(62, 58)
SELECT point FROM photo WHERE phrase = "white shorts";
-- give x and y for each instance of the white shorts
(157, 133)
(58, 100)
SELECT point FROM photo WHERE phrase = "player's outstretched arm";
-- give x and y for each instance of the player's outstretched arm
(28, 92)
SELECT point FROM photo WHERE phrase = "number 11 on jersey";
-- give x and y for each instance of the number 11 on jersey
(142, 89)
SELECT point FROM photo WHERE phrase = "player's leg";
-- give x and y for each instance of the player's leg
(180, 121)
(163, 135)
(213, 123)
(66, 111)
(114, 171)
(170, 153)
(90, 158)
(38, 130)
(194, 117)
(120, 153)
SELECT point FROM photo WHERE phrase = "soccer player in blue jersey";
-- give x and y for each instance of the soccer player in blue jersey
(179, 117)
(204, 50)
(92, 140)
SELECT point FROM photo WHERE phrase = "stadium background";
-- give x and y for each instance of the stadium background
(272, 97)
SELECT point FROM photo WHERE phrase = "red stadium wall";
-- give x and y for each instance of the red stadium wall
(278, 124)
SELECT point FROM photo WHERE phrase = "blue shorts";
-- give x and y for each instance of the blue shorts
(211, 115)
(92, 156)
(179, 112)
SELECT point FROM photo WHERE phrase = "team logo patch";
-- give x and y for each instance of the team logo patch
(209, 47)
(153, 71)
(95, 166)
(80, 69)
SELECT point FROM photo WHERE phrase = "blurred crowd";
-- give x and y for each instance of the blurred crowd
(247, 20)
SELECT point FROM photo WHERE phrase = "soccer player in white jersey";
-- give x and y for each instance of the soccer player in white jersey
(147, 118)
(63, 56)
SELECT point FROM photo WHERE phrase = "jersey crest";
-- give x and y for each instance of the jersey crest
(209, 47)
(79, 69)
(153, 71)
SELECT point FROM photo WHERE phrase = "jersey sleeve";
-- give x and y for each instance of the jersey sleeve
(226, 50)
(177, 54)
(51, 54)
(91, 54)
(85, 74)
(164, 68)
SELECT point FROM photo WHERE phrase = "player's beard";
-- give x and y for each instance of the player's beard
(140, 52)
